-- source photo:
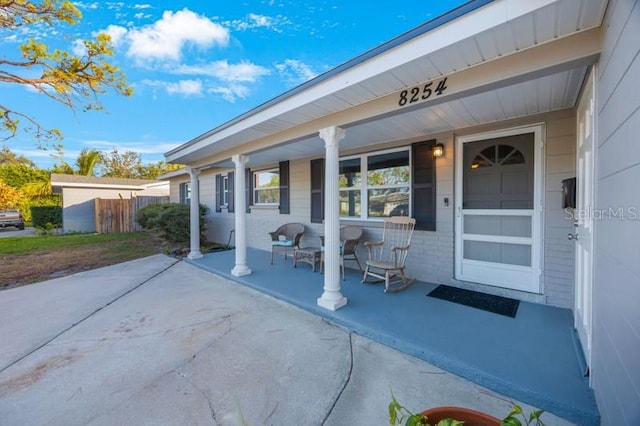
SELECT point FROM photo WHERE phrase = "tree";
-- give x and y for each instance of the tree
(86, 163)
(153, 170)
(73, 80)
(11, 197)
(121, 165)
(18, 175)
(9, 157)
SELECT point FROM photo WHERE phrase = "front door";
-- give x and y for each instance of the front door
(498, 208)
(583, 222)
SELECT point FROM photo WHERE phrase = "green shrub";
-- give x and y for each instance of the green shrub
(148, 216)
(171, 220)
(46, 216)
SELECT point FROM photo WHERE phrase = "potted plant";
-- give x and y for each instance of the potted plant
(456, 416)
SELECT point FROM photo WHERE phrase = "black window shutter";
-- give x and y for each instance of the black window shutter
(218, 193)
(423, 185)
(284, 187)
(232, 184)
(183, 191)
(248, 189)
(317, 190)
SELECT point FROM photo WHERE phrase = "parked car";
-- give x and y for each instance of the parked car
(11, 217)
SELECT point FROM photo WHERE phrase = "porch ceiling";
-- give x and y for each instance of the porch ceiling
(483, 35)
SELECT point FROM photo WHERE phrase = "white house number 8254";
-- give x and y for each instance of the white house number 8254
(422, 93)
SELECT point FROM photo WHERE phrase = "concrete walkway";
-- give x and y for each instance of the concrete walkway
(15, 232)
(160, 342)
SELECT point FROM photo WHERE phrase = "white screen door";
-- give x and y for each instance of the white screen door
(584, 222)
(498, 181)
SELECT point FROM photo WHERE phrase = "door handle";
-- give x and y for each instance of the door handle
(571, 236)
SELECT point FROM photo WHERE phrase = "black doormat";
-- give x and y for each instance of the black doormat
(486, 302)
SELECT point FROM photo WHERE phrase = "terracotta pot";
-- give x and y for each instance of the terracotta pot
(469, 417)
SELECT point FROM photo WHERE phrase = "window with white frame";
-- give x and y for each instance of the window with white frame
(185, 193)
(225, 190)
(266, 187)
(375, 185)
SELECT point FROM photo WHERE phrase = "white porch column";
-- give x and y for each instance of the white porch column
(331, 299)
(194, 215)
(240, 201)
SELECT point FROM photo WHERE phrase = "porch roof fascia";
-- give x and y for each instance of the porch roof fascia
(97, 186)
(457, 24)
(580, 49)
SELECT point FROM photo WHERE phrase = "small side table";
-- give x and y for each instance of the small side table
(310, 255)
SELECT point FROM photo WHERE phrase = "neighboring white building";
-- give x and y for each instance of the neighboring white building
(522, 95)
(79, 194)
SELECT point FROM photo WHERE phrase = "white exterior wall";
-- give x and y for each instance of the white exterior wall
(78, 212)
(616, 316)
(432, 253)
(558, 252)
(155, 191)
(174, 188)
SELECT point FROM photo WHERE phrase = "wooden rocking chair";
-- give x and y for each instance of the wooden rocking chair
(387, 257)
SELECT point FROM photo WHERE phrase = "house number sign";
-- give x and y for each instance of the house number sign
(422, 93)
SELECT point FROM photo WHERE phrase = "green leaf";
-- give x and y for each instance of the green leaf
(511, 421)
(536, 414)
(392, 413)
(414, 420)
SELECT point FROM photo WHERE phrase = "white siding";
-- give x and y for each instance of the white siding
(559, 252)
(432, 253)
(616, 317)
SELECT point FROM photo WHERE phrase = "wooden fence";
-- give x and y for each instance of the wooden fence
(119, 215)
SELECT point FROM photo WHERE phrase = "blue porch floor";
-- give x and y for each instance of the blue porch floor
(531, 358)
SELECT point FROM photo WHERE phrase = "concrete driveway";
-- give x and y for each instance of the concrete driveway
(160, 342)
(15, 232)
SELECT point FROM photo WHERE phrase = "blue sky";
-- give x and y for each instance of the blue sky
(195, 65)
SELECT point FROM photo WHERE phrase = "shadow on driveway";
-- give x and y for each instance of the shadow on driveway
(160, 341)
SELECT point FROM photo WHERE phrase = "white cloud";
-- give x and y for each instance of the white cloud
(183, 87)
(243, 71)
(141, 147)
(78, 48)
(142, 6)
(166, 38)
(142, 15)
(295, 71)
(260, 20)
(112, 5)
(116, 32)
(253, 20)
(231, 92)
(82, 5)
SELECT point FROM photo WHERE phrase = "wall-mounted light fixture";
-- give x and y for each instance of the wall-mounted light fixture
(438, 150)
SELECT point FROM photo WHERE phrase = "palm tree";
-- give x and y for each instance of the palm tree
(86, 163)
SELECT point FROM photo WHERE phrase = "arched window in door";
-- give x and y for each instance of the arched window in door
(502, 155)
(498, 173)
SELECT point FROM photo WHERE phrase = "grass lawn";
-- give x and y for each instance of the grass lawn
(26, 260)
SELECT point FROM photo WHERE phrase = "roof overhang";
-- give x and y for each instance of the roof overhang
(502, 59)
(97, 186)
